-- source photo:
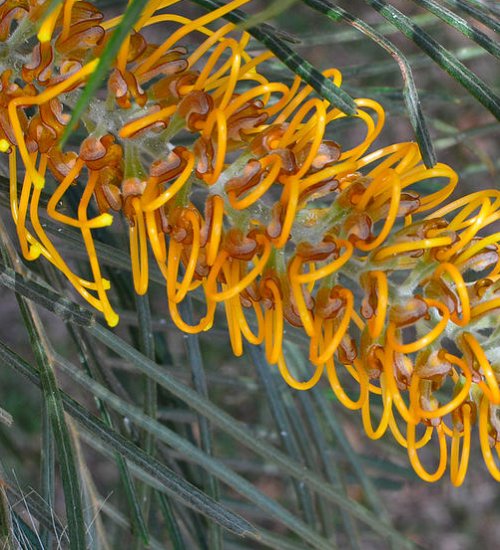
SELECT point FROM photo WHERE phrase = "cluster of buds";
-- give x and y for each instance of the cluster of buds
(262, 213)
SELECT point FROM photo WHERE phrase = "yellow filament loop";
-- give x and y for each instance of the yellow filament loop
(423, 342)
(421, 174)
(20, 212)
(234, 62)
(292, 191)
(48, 24)
(458, 466)
(246, 72)
(300, 97)
(234, 328)
(261, 189)
(373, 129)
(273, 323)
(174, 258)
(489, 459)
(466, 236)
(449, 407)
(462, 220)
(231, 273)
(213, 37)
(391, 216)
(334, 342)
(399, 248)
(254, 339)
(186, 29)
(42, 97)
(386, 414)
(304, 314)
(67, 10)
(217, 116)
(36, 246)
(398, 436)
(329, 269)
(292, 381)
(327, 173)
(204, 324)
(102, 220)
(301, 132)
(156, 238)
(215, 229)
(48, 250)
(290, 135)
(400, 157)
(377, 322)
(486, 307)
(45, 247)
(415, 461)
(136, 125)
(361, 377)
(110, 316)
(461, 289)
(284, 100)
(467, 200)
(235, 289)
(150, 203)
(263, 89)
(490, 388)
(59, 193)
(476, 248)
(337, 388)
(387, 359)
(139, 249)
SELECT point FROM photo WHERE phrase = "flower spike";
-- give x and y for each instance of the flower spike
(240, 189)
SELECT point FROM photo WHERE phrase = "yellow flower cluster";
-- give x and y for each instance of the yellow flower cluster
(265, 214)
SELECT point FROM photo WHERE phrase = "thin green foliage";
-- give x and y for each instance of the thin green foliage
(178, 487)
(285, 430)
(193, 349)
(477, 10)
(47, 470)
(461, 25)
(457, 70)
(6, 528)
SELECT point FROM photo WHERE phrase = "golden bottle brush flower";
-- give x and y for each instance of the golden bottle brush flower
(293, 228)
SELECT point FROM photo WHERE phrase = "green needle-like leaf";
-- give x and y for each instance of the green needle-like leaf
(283, 424)
(457, 70)
(463, 26)
(479, 11)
